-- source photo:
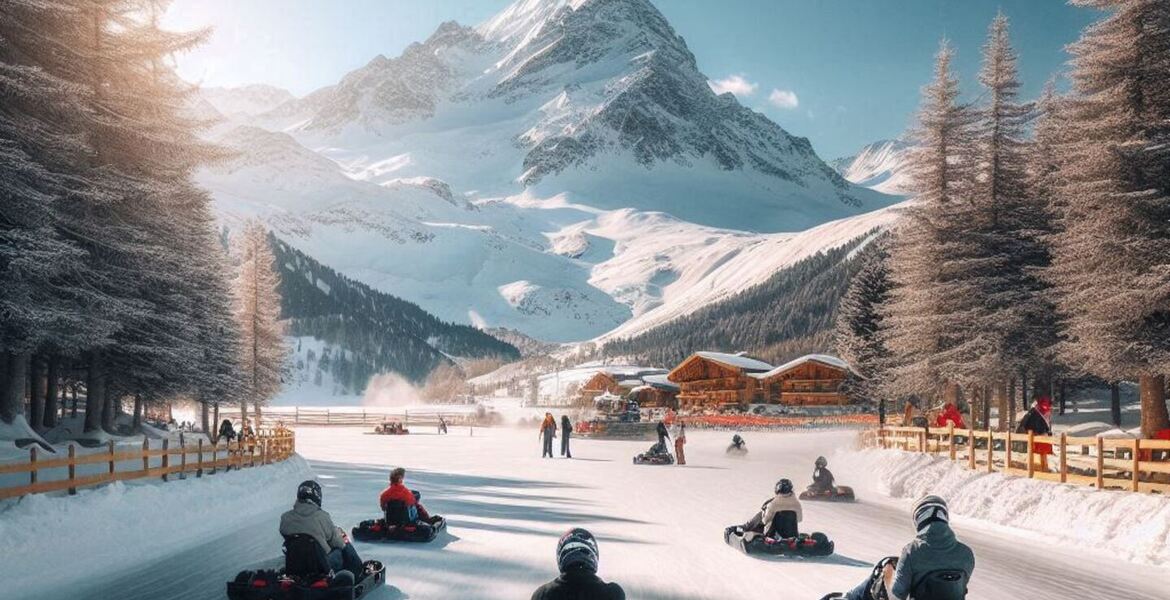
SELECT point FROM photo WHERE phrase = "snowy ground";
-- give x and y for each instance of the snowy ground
(660, 527)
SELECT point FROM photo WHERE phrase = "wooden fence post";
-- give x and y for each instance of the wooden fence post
(1031, 454)
(1063, 457)
(951, 439)
(199, 469)
(215, 456)
(32, 463)
(1100, 463)
(166, 457)
(72, 467)
(111, 471)
(971, 448)
(182, 457)
(1007, 457)
(990, 451)
(145, 450)
(1137, 465)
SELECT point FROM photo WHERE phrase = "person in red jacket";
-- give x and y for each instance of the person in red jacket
(950, 415)
(398, 491)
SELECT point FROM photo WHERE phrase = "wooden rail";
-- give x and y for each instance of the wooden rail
(300, 416)
(267, 447)
(1104, 463)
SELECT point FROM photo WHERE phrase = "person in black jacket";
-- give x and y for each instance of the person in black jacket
(663, 435)
(1037, 421)
(577, 557)
(226, 430)
(566, 429)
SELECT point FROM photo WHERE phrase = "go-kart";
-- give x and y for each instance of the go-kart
(399, 526)
(306, 576)
(840, 493)
(391, 428)
(782, 539)
(656, 455)
(944, 584)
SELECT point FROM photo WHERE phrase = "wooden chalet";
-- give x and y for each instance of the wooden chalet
(656, 392)
(619, 381)
(714, 379)
(812, 380)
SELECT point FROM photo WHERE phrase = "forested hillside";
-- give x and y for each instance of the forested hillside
(790, 314)
(379, 333)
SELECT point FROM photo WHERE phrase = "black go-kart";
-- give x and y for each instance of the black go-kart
(306, 576)
(840, 493)
(937, 585)
(397, 526)
(781, 540)
(656, 455)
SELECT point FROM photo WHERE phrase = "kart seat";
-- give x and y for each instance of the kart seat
(304, 557)
(946, 584)
(784, 525)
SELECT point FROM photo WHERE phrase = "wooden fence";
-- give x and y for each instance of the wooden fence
(1103, 463)
(267, 447)
(302, 416)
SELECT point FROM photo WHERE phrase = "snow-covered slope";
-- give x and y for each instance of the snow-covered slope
(557, 170)
(879, 166)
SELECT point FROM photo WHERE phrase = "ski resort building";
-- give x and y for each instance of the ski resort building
(621, 381)
(710, 380)
(656, 392)
(812, 380)
(715, 379)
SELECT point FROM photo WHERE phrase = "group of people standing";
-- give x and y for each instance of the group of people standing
(548, 432)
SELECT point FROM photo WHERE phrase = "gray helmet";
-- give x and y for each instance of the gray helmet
(784, 486)
(821, 462)
(309, 491)
(577, 550)
(930, 509)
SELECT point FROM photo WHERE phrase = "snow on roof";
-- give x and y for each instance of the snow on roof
(738, 361)
(832, 361)
(660, 381)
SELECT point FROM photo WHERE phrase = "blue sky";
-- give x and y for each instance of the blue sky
(840, 72)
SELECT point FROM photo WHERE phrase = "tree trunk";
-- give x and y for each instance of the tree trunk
(95, 392)
(52, 384)
(137, 422)
(1154, 413)
(214, 433)
(1115, 403)
(108, 412)
(985, 394)
(243, 412)
(256, 410)
(12, 393)
(205, 417)
(73, 392)
(1011, 407)
(36, 393)
(1060, 394)
(1000, 391)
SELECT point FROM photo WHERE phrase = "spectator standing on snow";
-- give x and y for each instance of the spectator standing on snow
(680, 440)
(950, 415)
(548, 431)
(934, 549)
(226, 430)
(663, 435)
(1037, 421)
(566, 431)
(442, 425)
(577, 558)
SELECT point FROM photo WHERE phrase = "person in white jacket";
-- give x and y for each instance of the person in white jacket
(764, 521)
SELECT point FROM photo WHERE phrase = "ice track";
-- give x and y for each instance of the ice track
(660, 527)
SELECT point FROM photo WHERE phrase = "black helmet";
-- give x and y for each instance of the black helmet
(821, 462)
(309, 491)
(735, 438)
(784, 486)
(930, 509)
(577, 550)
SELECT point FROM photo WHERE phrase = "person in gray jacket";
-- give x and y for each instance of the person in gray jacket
(934, 549)
(307, 518)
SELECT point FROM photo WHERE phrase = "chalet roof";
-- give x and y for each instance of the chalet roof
(660, 381)
(737, 361)
(824, 359)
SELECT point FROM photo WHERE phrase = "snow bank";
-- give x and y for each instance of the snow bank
(133, 523)
(1132, 526)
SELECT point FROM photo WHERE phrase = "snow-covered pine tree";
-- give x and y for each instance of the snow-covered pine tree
(923, 312)
(859, 335)
(1111, 257)
(1002, 268)
(263, 350)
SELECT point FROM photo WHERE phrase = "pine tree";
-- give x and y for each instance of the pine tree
(1111, 256)
(262, 344)
(928, 322)
(859, 332)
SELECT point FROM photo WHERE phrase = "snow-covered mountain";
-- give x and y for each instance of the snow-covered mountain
(879, 166)
(557, 170)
